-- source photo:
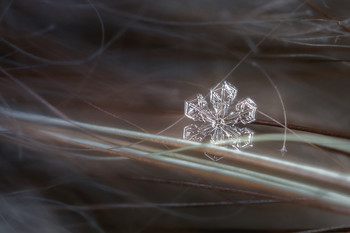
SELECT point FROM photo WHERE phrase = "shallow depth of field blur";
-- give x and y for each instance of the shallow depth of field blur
(130, 65)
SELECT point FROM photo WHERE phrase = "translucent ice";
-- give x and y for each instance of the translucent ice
(219, 124)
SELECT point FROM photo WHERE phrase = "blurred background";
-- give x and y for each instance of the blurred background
(131, 64)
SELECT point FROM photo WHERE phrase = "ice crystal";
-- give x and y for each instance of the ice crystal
(219, 124)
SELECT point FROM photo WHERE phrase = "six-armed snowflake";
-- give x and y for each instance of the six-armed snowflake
(218, 125)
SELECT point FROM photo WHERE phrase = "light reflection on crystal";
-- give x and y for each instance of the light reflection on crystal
(219, 125)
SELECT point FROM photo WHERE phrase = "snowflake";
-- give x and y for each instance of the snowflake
(219, 124)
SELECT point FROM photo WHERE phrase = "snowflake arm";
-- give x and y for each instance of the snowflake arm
(197, 109)
(194, 133)
(247, 109)
(221, 97)
(246, 138)
(226, 135)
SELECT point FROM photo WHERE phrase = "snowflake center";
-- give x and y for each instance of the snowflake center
(218, 123)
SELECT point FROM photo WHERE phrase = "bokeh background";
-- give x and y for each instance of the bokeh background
(130, 64)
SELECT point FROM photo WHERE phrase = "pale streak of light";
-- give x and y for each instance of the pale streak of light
(187, 145)
(312, 191)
